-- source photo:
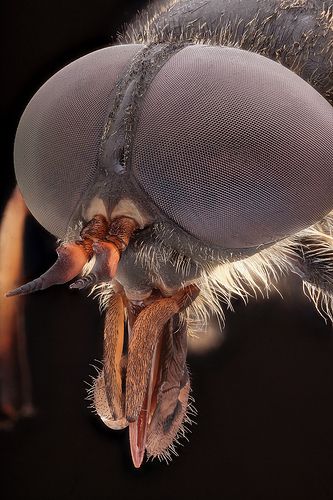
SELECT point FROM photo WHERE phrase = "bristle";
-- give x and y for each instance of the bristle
(91, 385)
(103, 292)
(322, 301)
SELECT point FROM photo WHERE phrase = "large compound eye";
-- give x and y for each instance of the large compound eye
(235, 148)
(59, 134)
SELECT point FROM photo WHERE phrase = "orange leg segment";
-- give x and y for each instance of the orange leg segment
(15, 388)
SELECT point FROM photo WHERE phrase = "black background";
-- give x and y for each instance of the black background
(265, 397)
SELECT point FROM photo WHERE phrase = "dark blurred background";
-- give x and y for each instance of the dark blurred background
(265, 396)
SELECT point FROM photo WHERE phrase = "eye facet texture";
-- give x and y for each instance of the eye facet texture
(59, 134)
(235, 148)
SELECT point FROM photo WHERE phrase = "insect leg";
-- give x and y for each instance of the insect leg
(15, 392)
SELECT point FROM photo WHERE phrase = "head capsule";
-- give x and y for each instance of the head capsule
(225, 148)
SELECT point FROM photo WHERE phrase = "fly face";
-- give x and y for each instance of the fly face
(154, 165)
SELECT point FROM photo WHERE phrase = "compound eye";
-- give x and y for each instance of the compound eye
(59, 134)
(234, 148)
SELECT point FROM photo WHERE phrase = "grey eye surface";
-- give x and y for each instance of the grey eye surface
(234, 147)
(231, 146)
(59, 134)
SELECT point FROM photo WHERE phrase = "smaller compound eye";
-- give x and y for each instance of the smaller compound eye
(58, 137)
(234, 148)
